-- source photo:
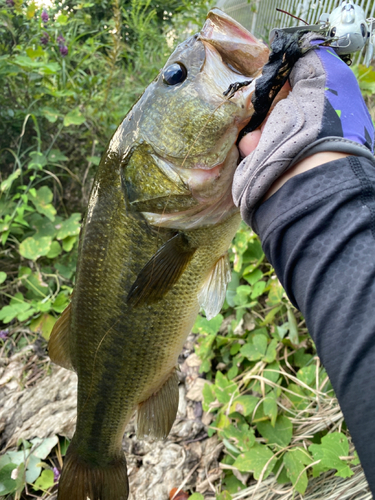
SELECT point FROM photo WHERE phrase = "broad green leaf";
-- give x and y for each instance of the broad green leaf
(33, 470)
(253, 277)
(33, 53)
(43, 226)
(7, 484)
(69, 227)
(258, 289)
(55, 156)
(32, 249)
(242, 437)
(208, 396)
(38, 161)
(93, 159)
(280, 434)
(6, 185)
(196, 496)
(55, 250)
(295, 462)
(43, 447)
(307, 375)
(275, 294)
(74, 117)
(297, 396)
(293, 328)
(45, 481)
(255, 349)
(20, 310)
(212, 326)
(224, 389)
(42, 202)
(43, 325)
(62, 19)
(244, 405)
(51, 114)
(332, 447)
(253, 252)
(3, 277)
(256, 460)
(270, 407)
(60, 303)
(270, 355)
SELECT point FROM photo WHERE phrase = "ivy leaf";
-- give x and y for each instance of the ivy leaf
(255, 461)
(55, 156)
(38, 161)
(270, 407)
(43, 325)
(295, 462)
(275, 294)
(255, 349)
(196, 496)
(242, 436)
(224, 389)
(51, 114)
(69, 227)
(244, 405)
(212, 326)
(332, 447)
(45, 481)
(74, 117)
(280, 434)
(3, 277)
(271, 352)
(32, 248)
(208, 396)
(253, 277)
(44, 446)
(55, 250)
(60, 303)
(42, 201)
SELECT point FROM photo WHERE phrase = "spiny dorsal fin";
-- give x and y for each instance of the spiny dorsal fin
(161, 272)
(212, 294)
(157, 414)
(58, 345)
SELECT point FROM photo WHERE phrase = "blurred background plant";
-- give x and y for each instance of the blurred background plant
(69, 72)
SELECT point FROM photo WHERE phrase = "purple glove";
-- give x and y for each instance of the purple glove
(324, 112)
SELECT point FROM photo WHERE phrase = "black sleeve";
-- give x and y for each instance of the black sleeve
(318, 231)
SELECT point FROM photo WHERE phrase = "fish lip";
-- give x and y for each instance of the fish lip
(236, 45)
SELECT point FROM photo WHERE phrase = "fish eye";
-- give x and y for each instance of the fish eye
(363, 30)
(333, 32)
(174, 74)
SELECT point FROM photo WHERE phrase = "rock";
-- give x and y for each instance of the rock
(195, 393)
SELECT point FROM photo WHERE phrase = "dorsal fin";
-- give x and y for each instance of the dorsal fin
(212, 294)
(161, 272)
(58, 345)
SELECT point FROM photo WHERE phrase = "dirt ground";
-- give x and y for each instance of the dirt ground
(46, 406)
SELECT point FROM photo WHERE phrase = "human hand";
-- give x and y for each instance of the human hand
(324, 113)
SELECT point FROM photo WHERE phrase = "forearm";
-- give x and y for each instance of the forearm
(318, 232)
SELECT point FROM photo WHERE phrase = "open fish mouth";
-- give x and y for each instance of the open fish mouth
(239, 49)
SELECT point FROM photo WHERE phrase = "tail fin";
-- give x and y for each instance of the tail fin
(81, 481)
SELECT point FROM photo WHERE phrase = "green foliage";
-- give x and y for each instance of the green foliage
(18, 468)
(268, 376)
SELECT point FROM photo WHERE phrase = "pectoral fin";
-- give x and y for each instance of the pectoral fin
(58, 345)
(212, 294)
(157, 414)
(161, 272)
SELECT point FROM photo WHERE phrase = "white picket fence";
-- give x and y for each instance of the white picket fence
(260, 16)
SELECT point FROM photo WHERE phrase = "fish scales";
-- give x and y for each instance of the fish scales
(153, 250)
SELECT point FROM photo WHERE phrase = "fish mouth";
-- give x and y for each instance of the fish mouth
(239, 49)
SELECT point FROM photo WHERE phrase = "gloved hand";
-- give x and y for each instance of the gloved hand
(324, 112)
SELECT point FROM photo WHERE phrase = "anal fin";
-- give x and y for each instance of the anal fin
(58, 345)
(161, 272)
(212, 294)
(157, 414)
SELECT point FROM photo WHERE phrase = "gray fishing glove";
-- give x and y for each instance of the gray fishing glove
(324, 112)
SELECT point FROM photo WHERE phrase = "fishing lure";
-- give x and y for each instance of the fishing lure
(347, 27)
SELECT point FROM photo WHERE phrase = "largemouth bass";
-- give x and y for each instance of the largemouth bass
(153, 250)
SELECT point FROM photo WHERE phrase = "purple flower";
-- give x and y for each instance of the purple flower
(45, 16)
(60, 40)
(10, 3)
(44, 39)
(56, 474)
(4, 334)
(63, 50)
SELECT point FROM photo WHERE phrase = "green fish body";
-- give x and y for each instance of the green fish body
(153, 250)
